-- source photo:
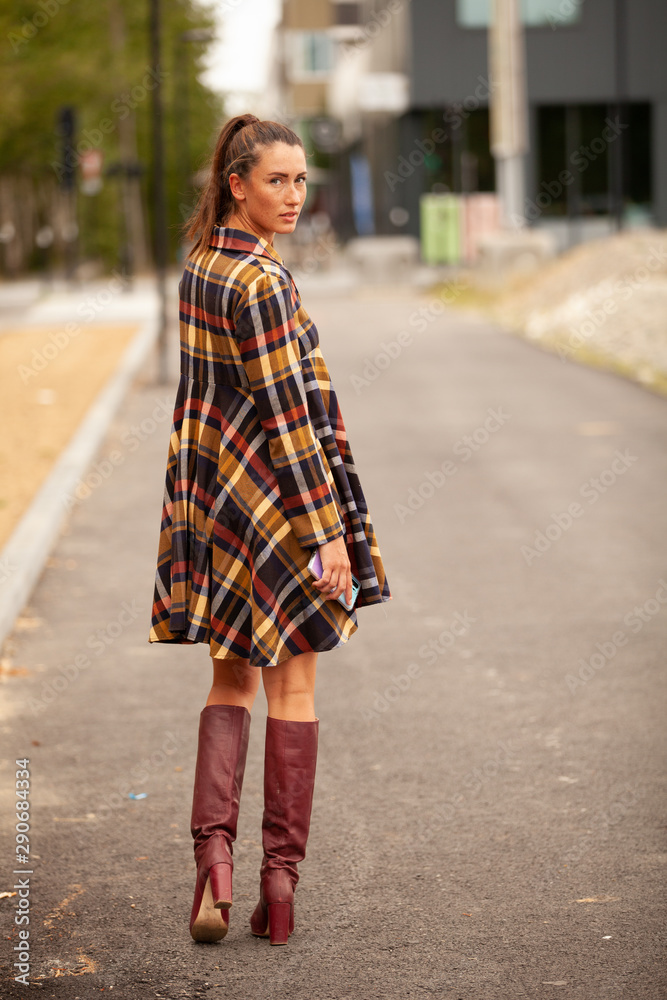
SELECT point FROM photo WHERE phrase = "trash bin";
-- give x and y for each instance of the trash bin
(480, 215)
(440, 219)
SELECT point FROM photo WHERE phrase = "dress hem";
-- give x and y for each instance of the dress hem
(178, 640)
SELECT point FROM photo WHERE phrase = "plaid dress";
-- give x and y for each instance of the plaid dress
(259, 470)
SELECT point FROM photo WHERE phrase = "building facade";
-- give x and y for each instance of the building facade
(395, 94)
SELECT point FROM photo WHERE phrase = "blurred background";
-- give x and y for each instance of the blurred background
(76, 142)
(394, 100)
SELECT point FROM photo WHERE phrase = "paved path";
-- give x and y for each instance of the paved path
(488, 819)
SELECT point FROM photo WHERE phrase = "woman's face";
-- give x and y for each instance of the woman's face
(270, 198)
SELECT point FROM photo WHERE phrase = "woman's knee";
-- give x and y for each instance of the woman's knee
(293, 677)
(290, 688)
(236, 675)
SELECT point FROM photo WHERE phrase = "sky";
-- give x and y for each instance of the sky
(238, 62)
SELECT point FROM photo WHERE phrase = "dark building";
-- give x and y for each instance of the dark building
(597, 109)
(597, 92)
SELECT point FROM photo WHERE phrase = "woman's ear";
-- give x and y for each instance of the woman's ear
(237, 187)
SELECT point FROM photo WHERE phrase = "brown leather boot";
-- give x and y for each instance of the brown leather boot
(290, 758)
(221, 756)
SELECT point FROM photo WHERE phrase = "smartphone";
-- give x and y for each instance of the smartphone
(315, 567)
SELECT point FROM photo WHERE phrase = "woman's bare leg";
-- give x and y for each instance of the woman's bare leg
(290, 688)
(235, 682)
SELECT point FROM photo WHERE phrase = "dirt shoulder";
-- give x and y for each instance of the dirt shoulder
(602, 303)
(48, 380)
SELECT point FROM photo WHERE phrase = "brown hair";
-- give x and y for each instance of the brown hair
(236, 152)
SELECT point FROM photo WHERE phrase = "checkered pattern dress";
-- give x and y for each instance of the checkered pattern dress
(259, 470)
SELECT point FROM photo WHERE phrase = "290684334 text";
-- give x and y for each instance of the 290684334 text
(22, 862)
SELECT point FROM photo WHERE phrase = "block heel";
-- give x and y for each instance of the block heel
(220, 877)
(279, 922)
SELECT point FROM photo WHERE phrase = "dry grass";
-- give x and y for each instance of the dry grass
(44, 408)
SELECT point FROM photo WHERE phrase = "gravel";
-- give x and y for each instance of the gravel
(603, 303)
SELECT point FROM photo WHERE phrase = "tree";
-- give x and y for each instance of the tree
(95, 58)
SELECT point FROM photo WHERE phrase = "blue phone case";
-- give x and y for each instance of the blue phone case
(315, 567)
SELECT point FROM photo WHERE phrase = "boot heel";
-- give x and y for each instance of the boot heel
(206, 922)
(221, 885)
(279, 921)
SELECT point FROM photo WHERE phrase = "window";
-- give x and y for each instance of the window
(461, 160)
(346, 13)
(576, 145)
(534, 13)
(310, 54)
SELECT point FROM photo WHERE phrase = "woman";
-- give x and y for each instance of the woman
(259, 476)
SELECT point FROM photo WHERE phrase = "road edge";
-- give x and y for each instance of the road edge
(30, 544)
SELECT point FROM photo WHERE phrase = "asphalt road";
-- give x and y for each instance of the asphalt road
(489, 813)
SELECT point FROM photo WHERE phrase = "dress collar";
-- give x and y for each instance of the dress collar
(224, 238)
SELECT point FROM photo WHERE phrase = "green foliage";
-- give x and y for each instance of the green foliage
(96, 57)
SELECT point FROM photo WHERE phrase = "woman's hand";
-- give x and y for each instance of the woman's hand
(336, 572)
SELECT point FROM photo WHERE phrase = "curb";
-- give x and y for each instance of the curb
(23, 557)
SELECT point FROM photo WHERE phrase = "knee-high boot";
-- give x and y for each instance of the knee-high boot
(290, 760)
(221, 756)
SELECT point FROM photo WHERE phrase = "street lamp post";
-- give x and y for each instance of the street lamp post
(194, 35)
(509, 141)
(160, 228)
(183, 90)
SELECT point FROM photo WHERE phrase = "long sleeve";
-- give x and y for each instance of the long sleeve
(269, 348)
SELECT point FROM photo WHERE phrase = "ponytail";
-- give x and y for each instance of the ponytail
(236, 152)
